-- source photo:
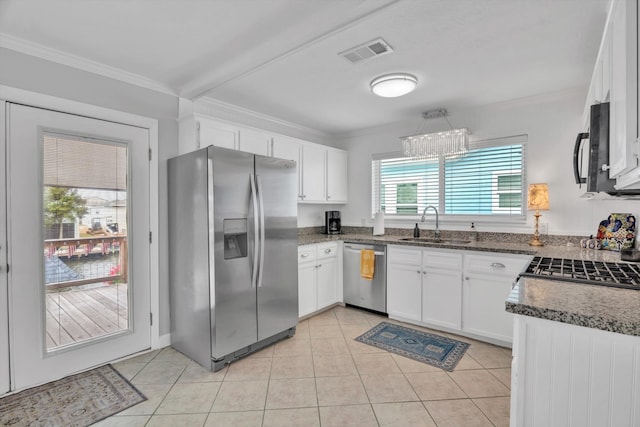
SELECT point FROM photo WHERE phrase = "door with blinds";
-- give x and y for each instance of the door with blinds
(78, 247)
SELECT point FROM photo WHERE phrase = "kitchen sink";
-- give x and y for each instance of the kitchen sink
(434, 240)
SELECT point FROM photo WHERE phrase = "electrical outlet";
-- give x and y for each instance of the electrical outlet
(544, 228)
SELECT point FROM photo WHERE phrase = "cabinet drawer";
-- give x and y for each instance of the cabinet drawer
(306, 253)
(442, 260)
(405, 255)
(327, 250)
(496, 263)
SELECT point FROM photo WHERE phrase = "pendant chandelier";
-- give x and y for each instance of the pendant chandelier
(431, 146)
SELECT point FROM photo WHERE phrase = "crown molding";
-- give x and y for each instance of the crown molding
(234, 113)
(74, 61)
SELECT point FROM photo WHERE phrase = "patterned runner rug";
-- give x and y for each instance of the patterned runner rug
(75, 401)
(429, 348)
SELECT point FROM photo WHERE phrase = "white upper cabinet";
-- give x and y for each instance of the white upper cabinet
(624, 88)
(284, 147)
(600, 87)
(313, 173)
(218, 134)
(253, 141)
(337, 165)
(615, 79)
(322, 170)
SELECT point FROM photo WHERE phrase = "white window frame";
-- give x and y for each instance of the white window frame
(495, 201)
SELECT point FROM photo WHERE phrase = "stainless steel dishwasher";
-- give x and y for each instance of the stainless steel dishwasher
(369, 294)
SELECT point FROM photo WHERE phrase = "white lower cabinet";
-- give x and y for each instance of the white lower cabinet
(318, 280)
(487, 283)
(441, 295)
(425, 286)
(307, 282)
(404, 288)
(327, 275)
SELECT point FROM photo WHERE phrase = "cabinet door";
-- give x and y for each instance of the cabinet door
(624, 88)
(404, 291)
(254, 142)
(337, 176)
(313, 173)
(605, 65)
(442, 298)
(483, 307)
(327, 279)
(307, 289)
(218, 134)
(288, 148)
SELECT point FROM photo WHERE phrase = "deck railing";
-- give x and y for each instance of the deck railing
(86, 246)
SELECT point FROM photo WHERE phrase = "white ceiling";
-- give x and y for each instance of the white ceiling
(279, 57)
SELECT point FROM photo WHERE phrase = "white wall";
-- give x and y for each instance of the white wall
(37, 75)
(551, 122)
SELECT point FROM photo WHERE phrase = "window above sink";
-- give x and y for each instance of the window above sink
(486, 182)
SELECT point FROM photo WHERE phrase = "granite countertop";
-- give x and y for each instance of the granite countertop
(568, 250)
(598, 307)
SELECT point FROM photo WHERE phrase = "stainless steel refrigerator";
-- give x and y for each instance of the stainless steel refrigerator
(232, 253)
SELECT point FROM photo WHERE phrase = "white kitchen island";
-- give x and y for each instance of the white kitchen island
(576, 355)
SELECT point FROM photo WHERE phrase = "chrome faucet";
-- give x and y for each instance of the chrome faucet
(437, 220)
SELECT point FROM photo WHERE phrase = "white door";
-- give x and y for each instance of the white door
(78, 243)
(4, 306)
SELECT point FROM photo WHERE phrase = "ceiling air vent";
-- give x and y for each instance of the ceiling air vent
(367, 50)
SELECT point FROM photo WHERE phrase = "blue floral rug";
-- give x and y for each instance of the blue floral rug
(429, 348)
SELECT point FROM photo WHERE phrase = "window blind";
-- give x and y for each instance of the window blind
(488, 180)
(77, 163)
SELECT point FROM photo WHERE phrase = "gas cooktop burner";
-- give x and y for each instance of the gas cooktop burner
(615, 274)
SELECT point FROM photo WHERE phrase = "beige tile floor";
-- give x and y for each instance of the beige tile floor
(321, 377)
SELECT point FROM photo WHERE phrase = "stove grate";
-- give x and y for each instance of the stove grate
(620, 275)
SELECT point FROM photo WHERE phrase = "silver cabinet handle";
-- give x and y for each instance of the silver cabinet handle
(424, 272)
(418, 271)
(319, 265)
(498, 265)
(304, 255)
(327, 251)
(466, 278)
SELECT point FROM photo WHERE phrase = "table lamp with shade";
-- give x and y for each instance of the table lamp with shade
(538, 200)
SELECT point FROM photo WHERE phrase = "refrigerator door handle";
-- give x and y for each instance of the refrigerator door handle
(262, 232)
(254, 199)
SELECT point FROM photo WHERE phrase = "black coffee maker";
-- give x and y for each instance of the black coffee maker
(332, 222)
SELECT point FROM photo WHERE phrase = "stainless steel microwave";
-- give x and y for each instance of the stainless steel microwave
(591, 155)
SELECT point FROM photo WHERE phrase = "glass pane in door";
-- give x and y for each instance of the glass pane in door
(85, 227)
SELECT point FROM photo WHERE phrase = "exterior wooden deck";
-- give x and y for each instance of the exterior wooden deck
(76, 315)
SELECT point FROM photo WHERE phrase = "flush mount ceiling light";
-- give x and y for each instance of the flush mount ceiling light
(393, 85)
(430, 146)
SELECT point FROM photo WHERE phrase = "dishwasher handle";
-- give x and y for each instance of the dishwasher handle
(354, 249)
